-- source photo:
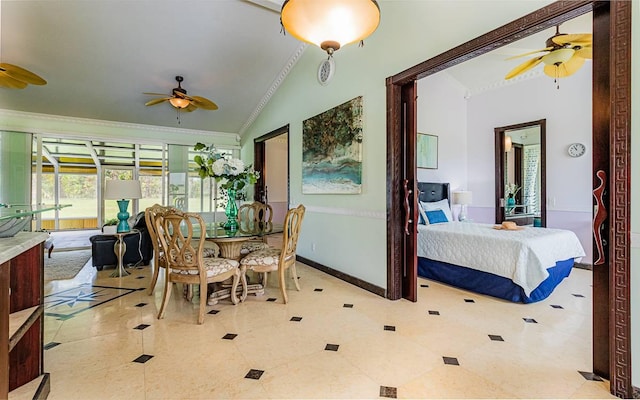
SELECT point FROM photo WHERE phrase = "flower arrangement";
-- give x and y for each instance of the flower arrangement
(511, 189)
(232, 170)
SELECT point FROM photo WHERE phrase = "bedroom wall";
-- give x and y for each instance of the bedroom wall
(348, 232)
(444, 115)
(568, 114)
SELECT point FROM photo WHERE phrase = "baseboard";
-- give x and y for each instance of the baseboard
(583, 266)
(345, 277)
(636, 392)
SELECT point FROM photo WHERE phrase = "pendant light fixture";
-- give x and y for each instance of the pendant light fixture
(330, 24)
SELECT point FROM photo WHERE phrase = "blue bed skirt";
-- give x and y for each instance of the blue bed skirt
(490, 284)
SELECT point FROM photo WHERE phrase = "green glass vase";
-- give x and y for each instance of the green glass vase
(231, 211)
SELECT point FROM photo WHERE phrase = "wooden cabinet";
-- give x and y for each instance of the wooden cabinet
(22, 315)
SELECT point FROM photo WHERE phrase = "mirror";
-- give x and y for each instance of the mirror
(521, 174)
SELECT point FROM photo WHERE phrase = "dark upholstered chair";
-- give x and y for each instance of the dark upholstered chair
(139, 247)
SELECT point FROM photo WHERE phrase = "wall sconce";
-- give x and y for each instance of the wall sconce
(508, 144)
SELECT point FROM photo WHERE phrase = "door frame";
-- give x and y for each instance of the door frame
(260, 163)
(611, 153)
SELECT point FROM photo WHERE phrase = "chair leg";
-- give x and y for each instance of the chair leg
(283, 287)
(264, 279)
(203, 302)
(165, 298)
(243, 280)
(295, 275)
(234, 286)
(189, 294)
(154, 278)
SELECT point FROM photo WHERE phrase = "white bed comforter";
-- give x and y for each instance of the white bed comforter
(522, 256)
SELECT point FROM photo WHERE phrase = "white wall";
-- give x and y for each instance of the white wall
(568, 114)
(442, 111)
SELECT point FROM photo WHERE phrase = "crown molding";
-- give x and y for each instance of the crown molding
(49, 124)
(503, 83)
(274, 86)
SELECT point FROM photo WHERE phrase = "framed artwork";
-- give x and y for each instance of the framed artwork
(332, 150)
(427, 151)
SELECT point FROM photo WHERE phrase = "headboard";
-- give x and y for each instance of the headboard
(431, 191)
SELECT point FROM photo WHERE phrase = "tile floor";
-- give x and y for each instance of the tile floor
(333, 340)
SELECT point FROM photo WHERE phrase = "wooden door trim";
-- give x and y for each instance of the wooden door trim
(259, 161)
(619, 35)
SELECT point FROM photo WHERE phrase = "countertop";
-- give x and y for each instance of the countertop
(22, 241)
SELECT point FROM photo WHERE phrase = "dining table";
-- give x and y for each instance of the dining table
(230, 244)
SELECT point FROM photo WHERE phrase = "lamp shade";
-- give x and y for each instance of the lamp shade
(330, 24)
(122, 189)
(463, 197)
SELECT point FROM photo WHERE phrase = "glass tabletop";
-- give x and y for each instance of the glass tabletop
(244, 230)
(11, 211)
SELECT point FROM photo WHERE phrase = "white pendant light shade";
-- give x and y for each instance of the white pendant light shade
(330, 24)
(178, 102)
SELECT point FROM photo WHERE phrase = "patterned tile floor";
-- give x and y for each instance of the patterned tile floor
(103, 341)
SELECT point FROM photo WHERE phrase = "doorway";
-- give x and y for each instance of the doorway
(611, 158)
(271, 159)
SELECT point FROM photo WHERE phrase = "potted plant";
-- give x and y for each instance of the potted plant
(110, 226)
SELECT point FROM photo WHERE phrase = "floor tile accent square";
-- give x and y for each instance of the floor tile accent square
(590, 376)
(389, 392)
(142, 327)
(389, 328)
(143, 358)
(318, 290)
(450, 361)
(424, 285)
(530, 320)
(331, 347)
(254, 374)
(432, 312)
(230, 336)
(50, 345)
(348, 305)
(296, 319)
(141, 304)
(469, 301)
(496, 338)
(577, 295)
(271, 299)
(556, 306)
(140, 277)
(213, 312)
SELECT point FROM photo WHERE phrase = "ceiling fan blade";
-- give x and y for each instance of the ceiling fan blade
(22, 74)
(191, 107)
(525, 66)
(575, 39)
(585, 52)
(156, 101)
(529, 53)
(10, 83)
(204, 103)
(155, 94)
(565, 69)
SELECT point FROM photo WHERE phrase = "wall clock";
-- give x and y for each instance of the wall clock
(325, 71)
(576, 149)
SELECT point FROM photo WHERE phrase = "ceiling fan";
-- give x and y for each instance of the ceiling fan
(181, 101)
(14, 77)
(564, 55)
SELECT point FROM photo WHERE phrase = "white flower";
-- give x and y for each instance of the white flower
(236, 166)
(218, 166)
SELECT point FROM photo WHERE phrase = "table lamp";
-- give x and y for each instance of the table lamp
(122, 190)
(463, 198)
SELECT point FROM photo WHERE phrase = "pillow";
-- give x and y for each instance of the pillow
(422, 217)
(436, 217)
(439, 205)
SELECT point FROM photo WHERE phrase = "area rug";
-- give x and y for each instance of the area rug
(65, 264)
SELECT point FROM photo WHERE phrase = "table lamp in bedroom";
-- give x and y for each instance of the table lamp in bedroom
(463, 198)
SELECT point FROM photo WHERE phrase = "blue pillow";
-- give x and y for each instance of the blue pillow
(436, 216)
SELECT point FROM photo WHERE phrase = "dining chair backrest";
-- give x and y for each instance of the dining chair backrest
(150, 214)
(254, 217)
(182, 248)
(292, 224)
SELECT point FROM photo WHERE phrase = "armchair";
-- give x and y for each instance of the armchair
(139, 247)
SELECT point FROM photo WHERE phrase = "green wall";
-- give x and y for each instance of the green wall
(15, 168)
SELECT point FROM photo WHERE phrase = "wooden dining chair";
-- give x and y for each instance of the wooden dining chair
(185, 261)
(272, 259)
(159, 260)
(254, 218)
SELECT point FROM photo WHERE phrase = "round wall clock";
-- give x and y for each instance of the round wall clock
(577, 149)
(326, 70)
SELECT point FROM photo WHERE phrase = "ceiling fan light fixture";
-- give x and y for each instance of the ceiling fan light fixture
(559, 56)
(178, 102)
(330, 24)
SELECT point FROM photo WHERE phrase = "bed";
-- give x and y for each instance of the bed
(522, 265)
